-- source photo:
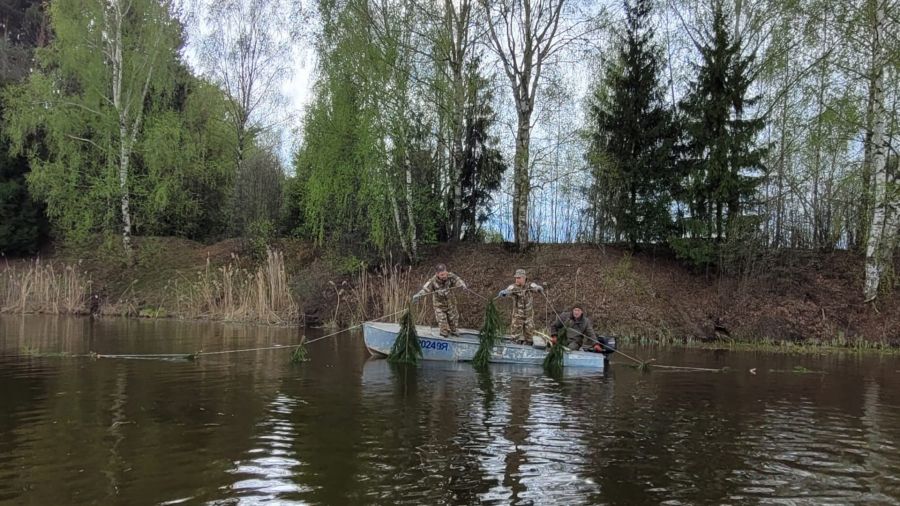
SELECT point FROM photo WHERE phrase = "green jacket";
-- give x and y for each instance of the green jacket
(576, 329)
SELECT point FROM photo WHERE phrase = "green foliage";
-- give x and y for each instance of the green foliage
(23, 225)
(300, 354)
(697, 252)
(553, 362)
(372, 172)
(481, 164)
(740, 254)
(490, 335)
(260, 234)
(343, 162)
(632, 140)
(291, 219)
(185, 170)
(406, 349)
(344, 264)
(722, 166)
(75, 131)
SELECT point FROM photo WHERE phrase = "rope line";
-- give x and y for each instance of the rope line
(302, 342)
(195, 355)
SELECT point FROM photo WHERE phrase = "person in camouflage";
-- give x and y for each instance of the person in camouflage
(445, 311)
(522, 292)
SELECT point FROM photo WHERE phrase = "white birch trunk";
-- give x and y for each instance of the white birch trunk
(410, 218)
(117, 61)
(877, 242)
(128, 103)
(395, 208)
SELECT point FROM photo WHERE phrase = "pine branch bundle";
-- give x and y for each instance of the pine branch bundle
(299, 354)
(406, 349)
(489, 336)
(554, 360)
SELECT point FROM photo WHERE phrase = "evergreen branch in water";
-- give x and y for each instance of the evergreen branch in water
(406, 349)
(553, 362)
(299, 354)
(489, 336)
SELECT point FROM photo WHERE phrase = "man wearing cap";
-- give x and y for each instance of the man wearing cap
(522, 292)
(579, 330)
(444, 303)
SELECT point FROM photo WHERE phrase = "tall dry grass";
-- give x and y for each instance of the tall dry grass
(39, 287)
(386, 291)
(234, 293)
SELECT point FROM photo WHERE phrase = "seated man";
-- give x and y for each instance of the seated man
(579, 330)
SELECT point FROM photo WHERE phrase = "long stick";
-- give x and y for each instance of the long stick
(550, 303)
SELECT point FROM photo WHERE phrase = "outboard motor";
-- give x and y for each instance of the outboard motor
(610, 346)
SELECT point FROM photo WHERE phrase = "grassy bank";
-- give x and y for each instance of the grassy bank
(794, 302)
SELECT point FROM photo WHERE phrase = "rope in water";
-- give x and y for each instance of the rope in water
(195, 355)
(192, 356)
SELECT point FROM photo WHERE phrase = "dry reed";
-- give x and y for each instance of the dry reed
(372, 295)
(43, 288)
(233, 293)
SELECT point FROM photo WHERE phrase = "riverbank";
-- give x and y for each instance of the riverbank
(800, 297)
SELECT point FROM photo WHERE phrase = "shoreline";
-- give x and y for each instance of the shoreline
(750, 346)
(810, 300)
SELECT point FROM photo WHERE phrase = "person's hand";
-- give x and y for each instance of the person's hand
(598, 348)
(416, 296)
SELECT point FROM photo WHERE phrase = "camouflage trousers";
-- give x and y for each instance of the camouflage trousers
(447, 319)
(522, 328)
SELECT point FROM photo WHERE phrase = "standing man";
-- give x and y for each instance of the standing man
(444, 303)
(522, 292)
(579, 330)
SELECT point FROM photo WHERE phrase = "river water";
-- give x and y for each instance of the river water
(250, 428)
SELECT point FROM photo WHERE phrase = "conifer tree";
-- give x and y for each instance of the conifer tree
(722, 164)
(632, 138)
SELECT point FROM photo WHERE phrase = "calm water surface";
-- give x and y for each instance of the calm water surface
(251, 428)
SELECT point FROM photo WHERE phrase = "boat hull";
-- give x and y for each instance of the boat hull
(380, 337)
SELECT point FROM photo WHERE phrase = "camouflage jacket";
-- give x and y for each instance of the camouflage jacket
(440, 290)
(523, 298)
(574, 327)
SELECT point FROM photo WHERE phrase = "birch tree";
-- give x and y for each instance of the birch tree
(89, 100)
(454, 52)
(526, 35)
(246, 49)
(131, 74)
(880, 237)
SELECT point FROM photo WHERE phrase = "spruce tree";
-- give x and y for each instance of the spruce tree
(633, 138)
(722, 164)
(482, 166)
